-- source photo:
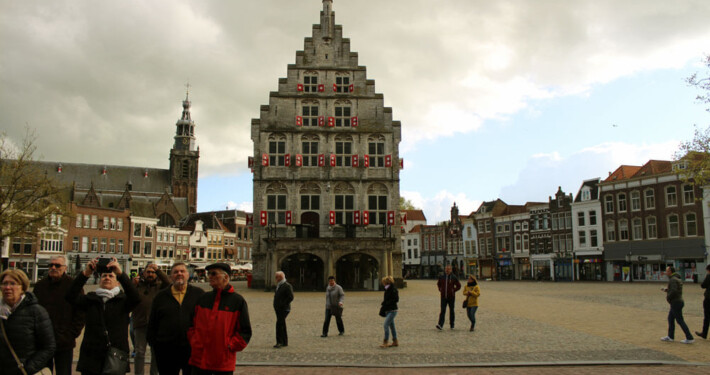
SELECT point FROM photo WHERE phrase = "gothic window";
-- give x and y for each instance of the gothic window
(165, 220)
(342, 84)
(277, 150)
(310, 82)
(310, 197)
(343, 151)
(376, 151)
(309, 148)
(310, 112)
(185, 169)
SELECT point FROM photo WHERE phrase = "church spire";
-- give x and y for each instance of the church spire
(327, 19)
(185, 127)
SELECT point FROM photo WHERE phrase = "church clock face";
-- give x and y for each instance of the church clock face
(185, 141)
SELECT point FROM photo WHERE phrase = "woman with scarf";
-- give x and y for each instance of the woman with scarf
(334, 297)
(389, 307)
(471, 291)
(25, 324)
(106, 310)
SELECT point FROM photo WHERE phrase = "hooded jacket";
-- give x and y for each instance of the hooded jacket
(448, 286)
(220, 329)
(30, 333)
(675, 288)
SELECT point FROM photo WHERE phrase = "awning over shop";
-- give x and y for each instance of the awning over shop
(685, 248)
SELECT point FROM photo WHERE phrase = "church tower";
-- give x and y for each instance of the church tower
(184, 157)
(326, 172)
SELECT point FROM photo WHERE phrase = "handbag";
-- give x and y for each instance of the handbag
(116, 360)
(44, 371)
(383, 313)
(465, 303)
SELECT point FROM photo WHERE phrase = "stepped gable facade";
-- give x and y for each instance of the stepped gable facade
(326, 171)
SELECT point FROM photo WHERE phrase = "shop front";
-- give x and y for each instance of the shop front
(542, 267)
(590, 268)
(647, 260)
(522, 269)
(472, 267)
(505, 266)
(487, 268)
(563, 269)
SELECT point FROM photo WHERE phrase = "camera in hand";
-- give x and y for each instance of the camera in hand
(102, 265)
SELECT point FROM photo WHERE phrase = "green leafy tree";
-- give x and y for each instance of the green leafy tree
(28, 197)
(406, 204)
(695, 153)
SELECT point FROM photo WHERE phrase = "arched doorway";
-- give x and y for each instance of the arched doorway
(304, 271)
(358, 271)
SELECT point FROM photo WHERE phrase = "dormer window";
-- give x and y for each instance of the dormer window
(586, 194)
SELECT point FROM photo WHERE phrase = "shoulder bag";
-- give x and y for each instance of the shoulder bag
(44, 371)
(116, 361)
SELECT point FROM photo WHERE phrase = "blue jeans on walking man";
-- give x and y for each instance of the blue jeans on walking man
(676, 315)
(471, 312)
(389, 325)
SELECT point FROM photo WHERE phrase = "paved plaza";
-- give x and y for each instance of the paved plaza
(519, 323)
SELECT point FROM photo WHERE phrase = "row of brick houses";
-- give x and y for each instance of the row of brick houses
(627, 227)
(138, 215)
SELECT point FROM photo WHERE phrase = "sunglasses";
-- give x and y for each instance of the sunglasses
(55, 265)
(214, 273)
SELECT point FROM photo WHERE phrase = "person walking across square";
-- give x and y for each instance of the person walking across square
(472, 292)
(706, 304)
(448, 286)
(674, 296)
(153, 281)
(282, 306)
(334, 297)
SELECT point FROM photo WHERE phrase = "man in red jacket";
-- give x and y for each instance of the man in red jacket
(448, 286)
(220, 327)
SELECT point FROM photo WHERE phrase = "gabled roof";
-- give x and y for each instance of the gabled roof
(593, 185)
(417, 215)
(416, 229)
(654, 167)
(622, 173)
(115, 178)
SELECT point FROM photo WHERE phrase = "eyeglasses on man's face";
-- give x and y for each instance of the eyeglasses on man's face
(55, 265)
(214, 273)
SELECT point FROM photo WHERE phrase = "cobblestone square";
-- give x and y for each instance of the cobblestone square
(518, 323)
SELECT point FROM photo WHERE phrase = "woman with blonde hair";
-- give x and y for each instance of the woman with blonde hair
(27, 336)
(389, 311)
(471, 291)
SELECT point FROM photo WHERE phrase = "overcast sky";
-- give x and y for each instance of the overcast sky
(497, 99)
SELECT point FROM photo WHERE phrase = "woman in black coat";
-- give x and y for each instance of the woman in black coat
(389, 307)
(108, 300)
(26, 324)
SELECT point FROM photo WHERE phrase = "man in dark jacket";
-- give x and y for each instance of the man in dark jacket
(448, 284)
(170, 316)
(66, 320)
(220, 327)
(706, 304)
(674, 296)
(282, 306)
(106, 310)
(148, 286)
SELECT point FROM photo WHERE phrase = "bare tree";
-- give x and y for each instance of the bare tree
(28, 197)
(696, 152)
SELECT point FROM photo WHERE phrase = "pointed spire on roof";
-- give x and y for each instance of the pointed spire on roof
(186, 104)
(327, 19)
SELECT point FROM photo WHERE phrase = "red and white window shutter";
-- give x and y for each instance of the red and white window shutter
(263, 218)
(388, 160)
(321, 120)
(353, 121)
(332, 160)
(250, 219)
(321, 88)
(366, 161)
(335, 88)
(355, 161)
(401, 163)
(352, 87)
(288, 217)
(331, 122)
(287, 160)
(321, 160)
(365, 217)
(331, 218)
(299, 121)
(299, 160)
(264, 160)
(390, 217)
(250, 162)
(356, 217)
(299, 87)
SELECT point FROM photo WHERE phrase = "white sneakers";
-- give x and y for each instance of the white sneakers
(684, 341)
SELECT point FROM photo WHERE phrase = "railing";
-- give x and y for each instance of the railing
(307, 231)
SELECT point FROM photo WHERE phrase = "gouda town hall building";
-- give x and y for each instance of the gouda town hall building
(326, 172)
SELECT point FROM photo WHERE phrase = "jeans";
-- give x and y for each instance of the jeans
(281, 333)
(471, 311)
(62, 362)
(140, 346)
(389, 325)
(338, 321)
(447, 302)
(676, 315)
